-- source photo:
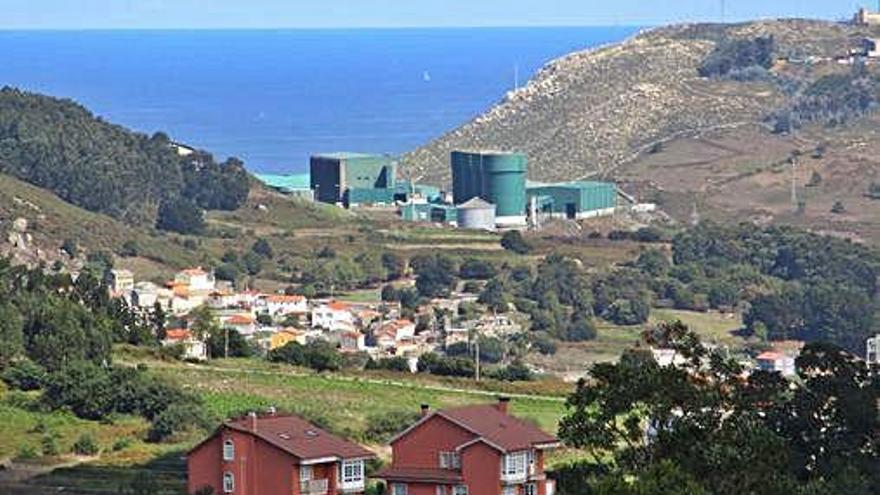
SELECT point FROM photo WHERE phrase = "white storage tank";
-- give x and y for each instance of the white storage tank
(476, 214)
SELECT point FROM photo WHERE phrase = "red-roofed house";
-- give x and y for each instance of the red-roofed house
(276, 455)
(242, 323)
(474, 450)
(192, 348)
(777, 361)
(333, 316)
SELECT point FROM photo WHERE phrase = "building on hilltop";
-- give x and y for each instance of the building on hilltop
(472, 450)
(865, 17)
(872, 354)
(276, 455)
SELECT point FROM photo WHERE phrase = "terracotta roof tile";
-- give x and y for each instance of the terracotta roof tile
(300, 438)
(503, 430)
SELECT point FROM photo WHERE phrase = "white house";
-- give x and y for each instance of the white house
(196, 280)
(145, 295)
(333, 316)
(120, 283)
(352, 342)
(222, 299)
(242, 323)
(192, 348)
(279, 304)
(777, 361)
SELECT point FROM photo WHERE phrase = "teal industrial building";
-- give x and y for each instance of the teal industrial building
(355, 179)
(500, 179)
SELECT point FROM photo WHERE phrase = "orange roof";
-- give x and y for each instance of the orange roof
(769, 356)
(177, 334)
(281, 298)
(193, 271)
(181, 290)
(240, 320)
(338, 306)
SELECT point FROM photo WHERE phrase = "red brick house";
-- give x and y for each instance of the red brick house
(474, 450)
(276, 455)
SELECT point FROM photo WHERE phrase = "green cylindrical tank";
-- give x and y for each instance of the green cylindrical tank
(496, 177)
(504, 177)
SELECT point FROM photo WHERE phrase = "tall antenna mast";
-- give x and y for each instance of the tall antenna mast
(794, 196)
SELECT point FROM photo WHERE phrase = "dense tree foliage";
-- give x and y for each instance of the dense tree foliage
(317, 355)
(714, 431)
(59, 145)
(514, 241)
(437, 274)
(732, 55)
(797, 284)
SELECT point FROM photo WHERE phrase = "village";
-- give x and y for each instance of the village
(271, 321)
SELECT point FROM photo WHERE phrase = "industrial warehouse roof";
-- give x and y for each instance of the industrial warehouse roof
(574, 184)
(293, 182)
(475, 203)
(347, 155)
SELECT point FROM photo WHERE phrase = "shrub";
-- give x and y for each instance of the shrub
(24, 375)
(838, 207)
(49, 445)
(476, 269)
(262, 248)
(176, 418)
(515, 372)
(121, 444)
(27, 453)
(392, 364)
(738, 54)
(381, 427)
(514, 241)
(181, 216)
(86, 445)
(543, 343)
(130, 249)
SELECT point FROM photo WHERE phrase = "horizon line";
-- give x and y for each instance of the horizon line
(331, 28)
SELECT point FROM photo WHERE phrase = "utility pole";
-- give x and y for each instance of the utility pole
(226, 343)
(477, 358)
(794, 196)
(516, 76)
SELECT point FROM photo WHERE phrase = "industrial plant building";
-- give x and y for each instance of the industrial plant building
(496, 177)
(354, 179)
(345, 178)
(499, 178)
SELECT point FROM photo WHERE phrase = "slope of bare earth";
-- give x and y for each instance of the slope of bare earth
(594, 111)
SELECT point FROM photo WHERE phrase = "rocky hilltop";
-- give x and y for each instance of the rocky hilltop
(592, 112)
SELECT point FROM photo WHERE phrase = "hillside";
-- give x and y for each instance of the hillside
(59, 145)
(639, 112)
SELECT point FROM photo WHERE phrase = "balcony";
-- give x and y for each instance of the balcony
(313, 487)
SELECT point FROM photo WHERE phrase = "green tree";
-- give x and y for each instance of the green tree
(11, 334)
(513, 241)
(262, 248)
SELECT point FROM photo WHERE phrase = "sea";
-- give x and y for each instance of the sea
(272, 98)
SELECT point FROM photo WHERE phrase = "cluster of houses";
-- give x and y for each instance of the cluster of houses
(470, 450)
(270, 321)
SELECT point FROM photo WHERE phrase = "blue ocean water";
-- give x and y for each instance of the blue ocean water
(274, 97)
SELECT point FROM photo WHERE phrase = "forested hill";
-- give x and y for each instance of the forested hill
(59, 145)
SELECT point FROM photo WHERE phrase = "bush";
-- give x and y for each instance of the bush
(515, 372)
(318, 355)
(86, 445)
(443, 366)
(381, 427)
(83, 387)
(738, 54)
(543, 343)
(262, 248)
(391, 364)
(130, 249)
(514, 241)
(24, 375)
(175, 419)
(476, 269)
(181, 216)
(580, 330)
(27, 453)
(121, 444)
(49, 445)
(838, 207)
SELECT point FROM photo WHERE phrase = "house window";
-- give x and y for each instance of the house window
(441, 490)
(531, 489)
(305, 473)
(460, 490)
(228, 482)
(228, 450)
(508, 490)
(515, 464)
(398, 489)
(450, 460)
(352, 472)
